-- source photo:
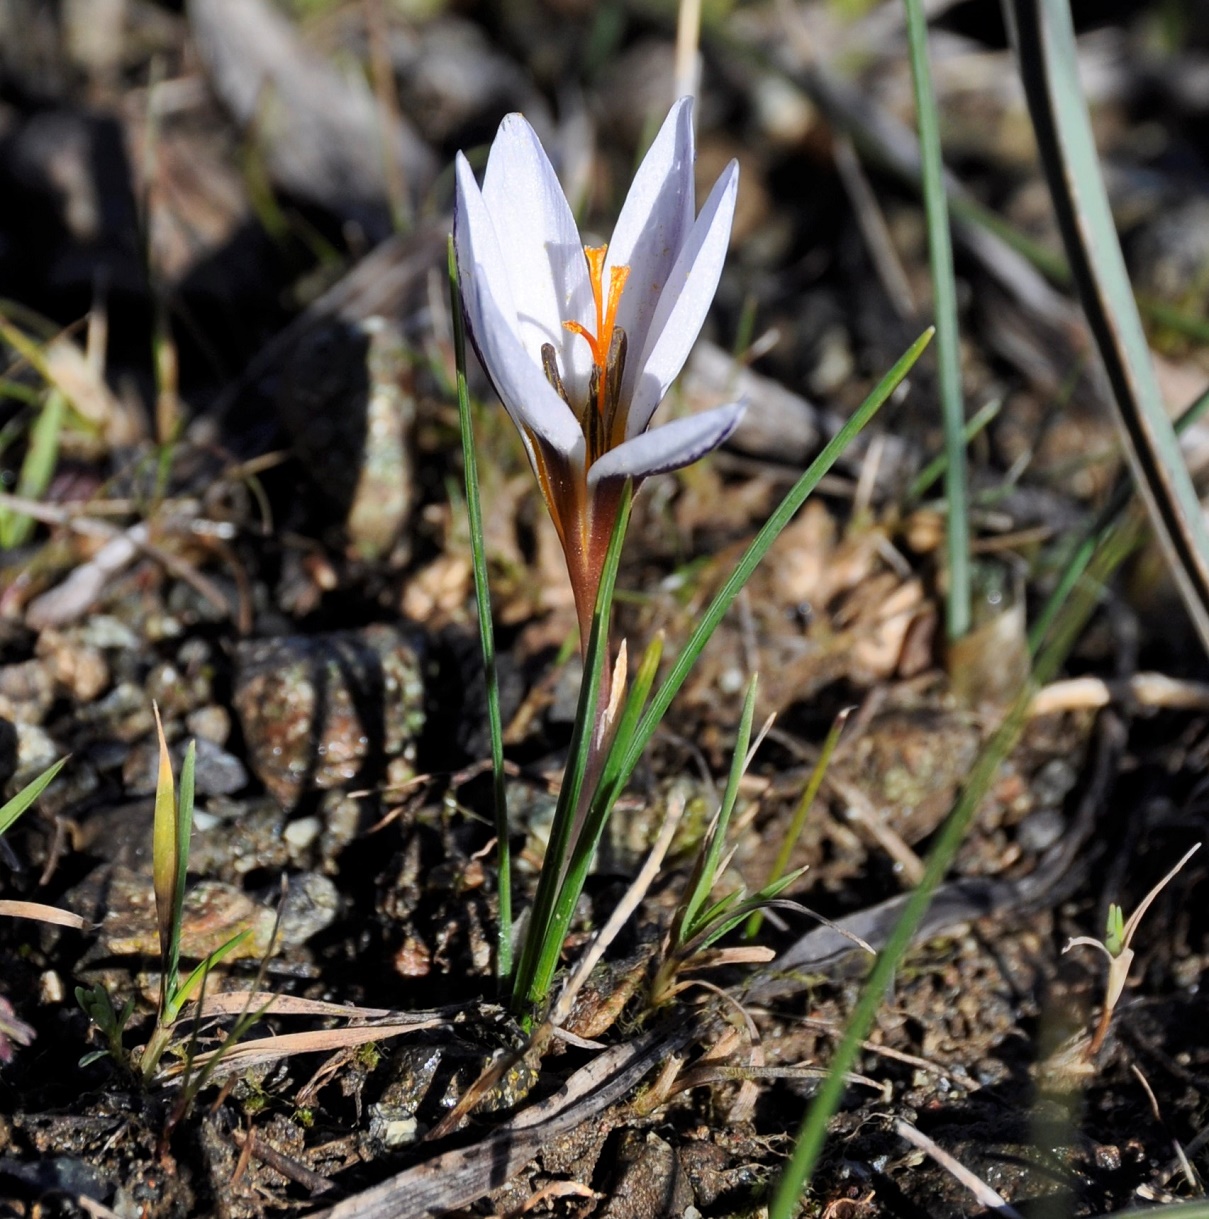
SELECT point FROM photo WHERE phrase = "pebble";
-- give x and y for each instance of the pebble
(345, 399)
(311, 904)
(323, 711)
(1040, 830)
(27, 691)
(217, 773)
(210, 723)
(214, 912)
(77, 667)
(35, 752)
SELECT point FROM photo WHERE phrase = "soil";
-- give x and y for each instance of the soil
(222, 251)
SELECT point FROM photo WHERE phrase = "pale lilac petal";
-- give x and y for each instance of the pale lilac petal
(481, 266)
(530, 399)
(669, 447)
(541, 248)
(655, 221)
(685, 301)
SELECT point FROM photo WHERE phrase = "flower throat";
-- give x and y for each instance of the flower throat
(602, 425)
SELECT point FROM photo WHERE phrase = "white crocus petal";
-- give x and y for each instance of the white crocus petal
(684, 302)
(669, 447)
(481, 266)
(523, 388)
(491, 312)
(541, 248)
(655, 221)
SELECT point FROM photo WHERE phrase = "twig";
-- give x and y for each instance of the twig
(874, 229)
(286, 1165)
(984, 1194)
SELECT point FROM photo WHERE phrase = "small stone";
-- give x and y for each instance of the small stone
(245, 837)
(124, 712)
(213, 913)
(27, 691)
(106, 631)
(77, 667)
(301, 833)
(35, 752)
(211, 723)
(217, 772)
(346, 400)
(323, 711)
(834, 367)
(1040, 830)
(414, 958)
(311, 905)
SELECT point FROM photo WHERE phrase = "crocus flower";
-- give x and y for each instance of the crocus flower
(582, 343)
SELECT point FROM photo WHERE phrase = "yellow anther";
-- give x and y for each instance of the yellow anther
(606, 314)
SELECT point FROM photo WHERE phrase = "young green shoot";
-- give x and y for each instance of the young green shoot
(1115, 945)
(12, 809)
(805, 804)
(698, 924)
(37, 468)
(98, 1007)
(172, 827)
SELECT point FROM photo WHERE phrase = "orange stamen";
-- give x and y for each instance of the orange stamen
(606, 314)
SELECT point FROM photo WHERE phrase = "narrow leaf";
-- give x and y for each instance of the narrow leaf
(706, 876)
(944, 299)
(185, 991)
(723, 599)
(12, 809)
(37, 468)
(165, 845)
(805, 804)
(1045, 44)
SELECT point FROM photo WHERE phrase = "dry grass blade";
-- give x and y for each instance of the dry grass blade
(984, 1194)
(232, 1003)
(44, 914)
(270, 1049)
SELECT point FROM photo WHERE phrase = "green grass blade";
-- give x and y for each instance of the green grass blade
(36, 470)
(199, 972)
(706, 875)
(980, 421)
(482, 600)
(184, 832)
(559, 886)
(1045, 43)
(944, 300)
(12, 809)
(805, 804)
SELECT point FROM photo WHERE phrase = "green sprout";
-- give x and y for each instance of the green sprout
(1118, 935)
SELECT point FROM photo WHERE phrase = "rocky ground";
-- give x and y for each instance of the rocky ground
(225, 330)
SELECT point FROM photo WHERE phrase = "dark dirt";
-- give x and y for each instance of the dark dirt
(254, 518)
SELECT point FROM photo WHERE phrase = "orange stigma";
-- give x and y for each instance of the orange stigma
(606, 315)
